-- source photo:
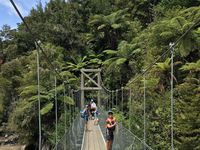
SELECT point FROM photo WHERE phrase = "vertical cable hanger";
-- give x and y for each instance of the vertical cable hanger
(144, 111)
(130, 107)
(65, 112)
(72, 95)
(39, 107)
(112, 99)
(107, 100)
(122, 109)
(116, 94)
(171, 96)
(56, 110)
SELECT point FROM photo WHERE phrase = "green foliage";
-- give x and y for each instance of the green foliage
(191, 67)
(47, 108)
(120, 36)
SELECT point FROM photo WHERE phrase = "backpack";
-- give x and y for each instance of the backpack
(84, 113)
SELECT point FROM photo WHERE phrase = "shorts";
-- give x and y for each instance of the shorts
(109, 137)
(96, 115)
(86, 118)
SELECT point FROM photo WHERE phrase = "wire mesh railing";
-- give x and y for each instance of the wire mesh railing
(124, 139)
(72, 140)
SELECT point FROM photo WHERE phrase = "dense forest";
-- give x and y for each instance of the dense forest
(120, 36)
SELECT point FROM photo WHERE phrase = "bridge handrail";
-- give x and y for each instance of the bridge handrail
(130, 132)
(71, 127)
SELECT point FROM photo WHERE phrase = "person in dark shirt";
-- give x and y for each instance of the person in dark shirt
(110, 128)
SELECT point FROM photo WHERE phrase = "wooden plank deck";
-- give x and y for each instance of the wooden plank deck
(93, 138)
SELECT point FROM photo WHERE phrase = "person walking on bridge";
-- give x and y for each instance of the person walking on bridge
(93, 109)
(85, 116)
(110, 128)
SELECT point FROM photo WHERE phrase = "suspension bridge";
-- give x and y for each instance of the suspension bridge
(75, 136)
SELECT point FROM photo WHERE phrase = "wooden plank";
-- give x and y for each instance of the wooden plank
(91, 70)
(93, 138)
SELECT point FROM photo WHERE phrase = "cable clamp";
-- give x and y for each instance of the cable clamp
(171, 45)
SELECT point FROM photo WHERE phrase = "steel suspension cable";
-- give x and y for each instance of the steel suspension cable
(116, 98)
(148, 68)
(65, 112)
(144, 113)
(107, 104)
(69, 106)
(56, 110)
(112, 99)
(171, 97)
(72, 95)
(34, 38)
(39, 107)
(162, 55)
(70, 112)
(122, 109)
(169, 49)
(38, 45)
(130, 107)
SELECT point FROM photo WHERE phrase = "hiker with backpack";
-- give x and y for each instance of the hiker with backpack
(85, 115)
(93, 109)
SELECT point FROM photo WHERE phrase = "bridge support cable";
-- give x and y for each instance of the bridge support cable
(171, 96)
(110, 99)
(148, 68)
(130, 108)
(73, 106)
(124, 138)
(116, 95)
(65, 112)
(144, 113)
(122, 103)
(51, 67)
(56, 109)
(39, 107)
(112, 95)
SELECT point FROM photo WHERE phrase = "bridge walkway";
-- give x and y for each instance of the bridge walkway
(93, 138)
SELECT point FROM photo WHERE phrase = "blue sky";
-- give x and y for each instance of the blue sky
(8, 14)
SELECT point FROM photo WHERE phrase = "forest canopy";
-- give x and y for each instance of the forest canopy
(122, 37)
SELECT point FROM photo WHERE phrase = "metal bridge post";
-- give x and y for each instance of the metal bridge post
(112, 99)
(144, 109)
(130, 106)
(82, 91)
(38, 87)
(99, 91)
(122, 99)
(107, 101)
(56, 110)
(72, 93)
(65, 110)
(171, 97)
(116, 98)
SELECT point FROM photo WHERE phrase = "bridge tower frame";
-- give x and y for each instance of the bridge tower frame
(84, 87)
